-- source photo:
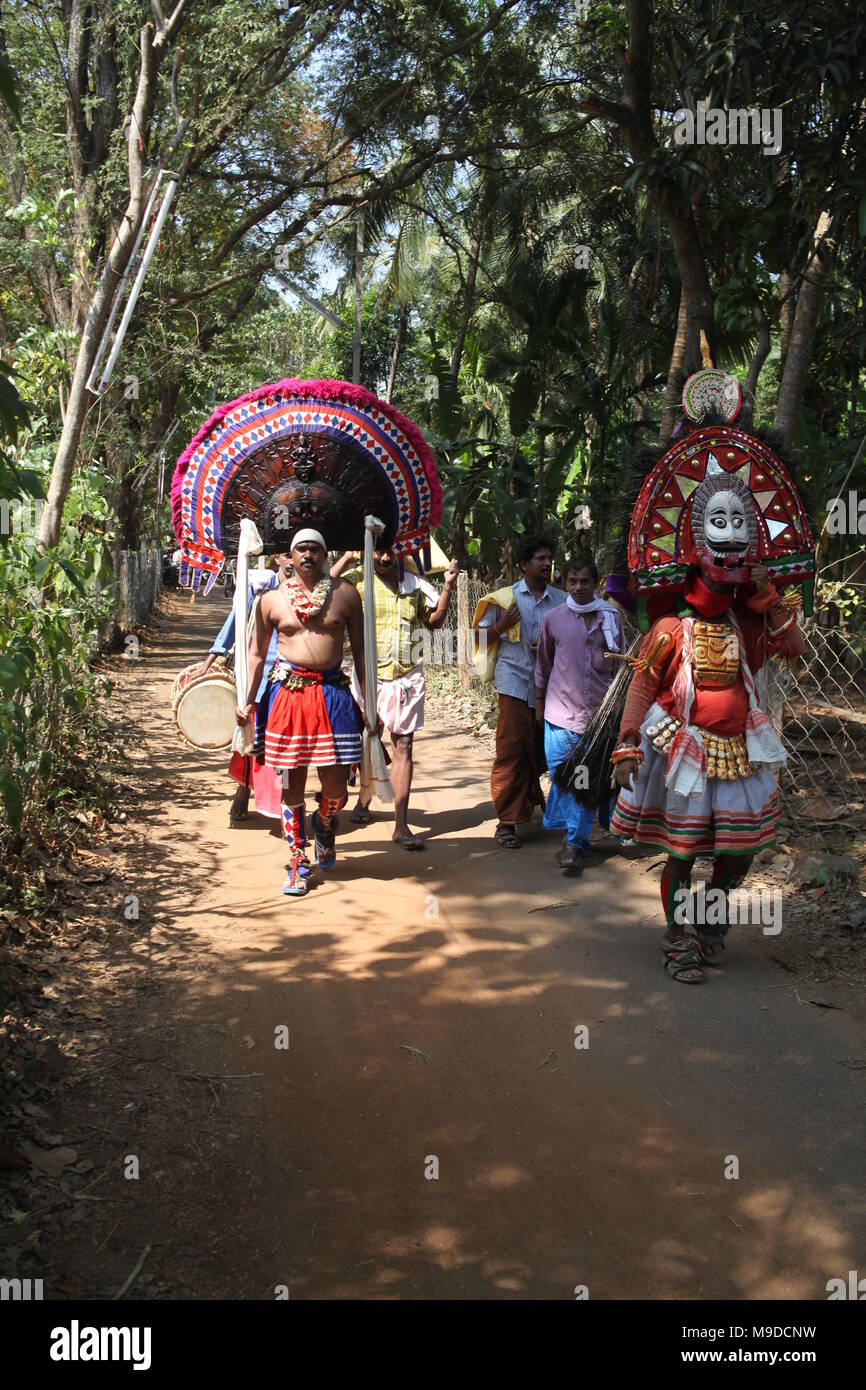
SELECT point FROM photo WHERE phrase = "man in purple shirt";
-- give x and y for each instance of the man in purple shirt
(571, 677)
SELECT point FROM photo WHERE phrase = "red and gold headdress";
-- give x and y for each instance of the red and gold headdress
(667, 525)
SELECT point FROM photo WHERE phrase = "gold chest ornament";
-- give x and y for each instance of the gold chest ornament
(716, 655)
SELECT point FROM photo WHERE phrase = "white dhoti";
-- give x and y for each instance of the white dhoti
(399, 702)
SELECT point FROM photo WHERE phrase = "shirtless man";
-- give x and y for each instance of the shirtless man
(313, 720)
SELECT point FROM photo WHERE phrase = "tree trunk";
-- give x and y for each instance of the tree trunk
(541, 465)
(697, 294)
(457, 540)
(762, 352)
(671, 409)
(468, 300)
(799, 356)
(786, 315)
(506, 553)
(398, 348)
(128, 507)
(153, 48)
(636, 287)
(78, 403)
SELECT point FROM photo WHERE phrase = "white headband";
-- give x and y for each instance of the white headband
(309, 535)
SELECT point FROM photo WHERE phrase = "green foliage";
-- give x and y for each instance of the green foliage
(13, 415)
(8, 93)
(469, 133)
(378, 328)
(49, 616)
(53, 606)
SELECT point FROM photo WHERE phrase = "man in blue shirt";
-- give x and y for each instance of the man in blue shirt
(514, 783)
(246, 770)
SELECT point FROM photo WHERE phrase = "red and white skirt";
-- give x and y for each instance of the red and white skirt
(315, 726)
(737, 817)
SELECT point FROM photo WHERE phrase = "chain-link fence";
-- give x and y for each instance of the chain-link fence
(822, 702)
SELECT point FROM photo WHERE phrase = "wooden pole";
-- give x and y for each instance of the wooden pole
(359, 285)
(463, 639)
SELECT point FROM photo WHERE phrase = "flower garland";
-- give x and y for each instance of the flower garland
(305, 603)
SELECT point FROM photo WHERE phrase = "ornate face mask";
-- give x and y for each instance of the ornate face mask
(725, 524)
(296, 454)
(724, 529)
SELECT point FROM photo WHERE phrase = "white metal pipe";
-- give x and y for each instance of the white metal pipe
(106, 332)
(313, 303)
(359, 292)
(139, 281)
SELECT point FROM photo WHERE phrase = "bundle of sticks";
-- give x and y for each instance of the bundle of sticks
(585, 773)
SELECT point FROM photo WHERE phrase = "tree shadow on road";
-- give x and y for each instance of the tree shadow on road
(382, 1091)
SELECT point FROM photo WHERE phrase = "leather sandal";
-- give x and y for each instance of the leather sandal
(683, 960)
(506, 838)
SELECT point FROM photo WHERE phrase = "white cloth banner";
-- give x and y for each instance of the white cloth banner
(250, 543)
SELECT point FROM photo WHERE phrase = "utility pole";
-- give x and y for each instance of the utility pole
(359, 285)
(542, 460)
(160, 483)
(464, 640)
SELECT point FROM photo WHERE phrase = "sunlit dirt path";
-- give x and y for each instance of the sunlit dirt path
(431, 1004)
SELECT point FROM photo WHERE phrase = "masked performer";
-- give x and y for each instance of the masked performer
(717, 532)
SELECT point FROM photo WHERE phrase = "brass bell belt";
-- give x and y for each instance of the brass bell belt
(292, 681)
(727, 754)
(297, 680)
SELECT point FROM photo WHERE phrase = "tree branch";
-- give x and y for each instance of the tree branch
(167, 28)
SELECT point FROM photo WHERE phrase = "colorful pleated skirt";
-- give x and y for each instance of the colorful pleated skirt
(737, 817)
(317, 725)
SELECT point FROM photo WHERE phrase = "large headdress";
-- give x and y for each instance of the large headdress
(669, 531)
(296, 454)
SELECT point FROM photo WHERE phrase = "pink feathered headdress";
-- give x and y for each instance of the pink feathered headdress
(349, 415)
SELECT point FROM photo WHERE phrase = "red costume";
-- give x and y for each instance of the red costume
(718, 530)
(736, 814)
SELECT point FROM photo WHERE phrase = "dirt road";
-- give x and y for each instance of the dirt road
(432, 1004)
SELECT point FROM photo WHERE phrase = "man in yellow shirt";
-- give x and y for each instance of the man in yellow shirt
(403, 609)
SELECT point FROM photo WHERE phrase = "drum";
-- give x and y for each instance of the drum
(203, 707)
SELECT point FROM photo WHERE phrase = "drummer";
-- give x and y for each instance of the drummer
(250, 772)
(312, 719)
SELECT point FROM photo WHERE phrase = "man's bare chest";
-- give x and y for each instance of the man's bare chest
(330, 620)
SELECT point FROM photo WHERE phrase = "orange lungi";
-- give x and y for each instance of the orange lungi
(514, 784)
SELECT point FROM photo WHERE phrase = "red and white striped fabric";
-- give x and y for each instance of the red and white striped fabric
(737, 817)
(316, 726)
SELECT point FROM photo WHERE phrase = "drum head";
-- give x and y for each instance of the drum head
(205, 712)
